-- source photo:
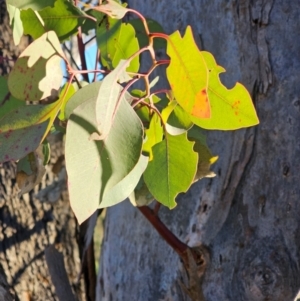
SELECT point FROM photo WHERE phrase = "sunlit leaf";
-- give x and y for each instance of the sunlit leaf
(64, 18)
(230, 108)
(154, 135)
(15, 22)
(122, 189)
(172, 169)
(96, 168)
(112, 9)
(108, 99)
(33, 4)
(82, 95)
(188, 74)
(66, 95)
(37, 72)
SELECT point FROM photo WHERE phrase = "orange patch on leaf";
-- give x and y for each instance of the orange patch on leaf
(201, 108)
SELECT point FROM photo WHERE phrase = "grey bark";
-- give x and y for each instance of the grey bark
(248, 216)
(30, 223)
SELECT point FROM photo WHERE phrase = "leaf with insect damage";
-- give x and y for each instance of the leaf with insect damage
(231, 109)
(188, 74)
(170, 173)
(24, 128)
(7, 101)
(37, 73)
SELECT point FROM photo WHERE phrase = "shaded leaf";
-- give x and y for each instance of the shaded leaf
(188, 74)
(96, 169)
(117, 41)
(141, 195)
(23, 129)
(230, 108)
(64, 18)
(33, 4)
(206, 158)
(154, 27)
(172, 169)
(30, 170)
(178, 122)
(7, 102)
(37, 72)
(91, 24)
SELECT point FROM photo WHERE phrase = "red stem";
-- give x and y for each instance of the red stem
(179, 247)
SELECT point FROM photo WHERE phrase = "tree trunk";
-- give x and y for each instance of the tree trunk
(30, 223)
(248, 216)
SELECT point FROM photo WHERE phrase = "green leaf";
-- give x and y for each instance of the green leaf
(154, 27)
(96, 169)
(23, 129)
(66, 97)
(82, 95)
(117, 41)
(108, 99)
(91, 24)
(112, 9)
(37, 72)
(33, 4)
(16, 23)
(30, 173)
(122, 189)
(141, 195)
(188, 74)
(178, 122)
(172, 169)
(64, 18)
(206, 158)
(154, 135)
(7, 101)
(230, 108)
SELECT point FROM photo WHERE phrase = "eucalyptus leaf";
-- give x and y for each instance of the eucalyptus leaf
(37, 72)
(172, 169)
(102, 170)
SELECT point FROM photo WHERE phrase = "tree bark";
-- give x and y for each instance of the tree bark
(30, 223)
(248, 216)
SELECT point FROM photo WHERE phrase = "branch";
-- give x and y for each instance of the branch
(59, 277)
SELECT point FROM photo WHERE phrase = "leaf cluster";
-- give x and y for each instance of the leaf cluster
(120, 141)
